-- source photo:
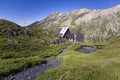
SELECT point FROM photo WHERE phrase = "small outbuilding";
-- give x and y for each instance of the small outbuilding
(64, 32)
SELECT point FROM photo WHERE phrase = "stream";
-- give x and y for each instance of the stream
(34, 72)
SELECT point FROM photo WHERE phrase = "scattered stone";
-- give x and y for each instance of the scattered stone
(0, 29)
(10, 47)
(22, 32)
(8, 33)
(12, 42)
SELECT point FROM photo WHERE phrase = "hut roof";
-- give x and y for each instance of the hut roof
(61, 31)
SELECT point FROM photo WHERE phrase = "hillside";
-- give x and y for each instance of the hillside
(103, 64)
(7, 24)
(97, 25)
(21, 48)
(14, 36)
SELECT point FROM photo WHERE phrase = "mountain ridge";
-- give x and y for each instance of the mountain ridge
(97, 25)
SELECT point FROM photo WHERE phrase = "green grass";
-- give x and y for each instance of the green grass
(15, 61)
(8, 66)
(103, 64)
(18, 52)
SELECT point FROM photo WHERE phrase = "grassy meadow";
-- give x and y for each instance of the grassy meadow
(13, 62)
(103, 64)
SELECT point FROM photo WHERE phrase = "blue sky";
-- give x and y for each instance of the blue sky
(30, 11)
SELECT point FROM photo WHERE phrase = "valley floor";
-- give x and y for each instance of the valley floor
(103, 64)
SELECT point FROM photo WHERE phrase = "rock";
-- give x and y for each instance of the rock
(22, 48)
(16, 29)
(8, 33)
(0, 29)
(16, 42)
(22, 32)
(15, 33)
(11, 44)
(29, 78)
(10, 41)
(10, 47)
(13, 78)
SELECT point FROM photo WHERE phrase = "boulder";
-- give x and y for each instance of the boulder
(15, 33)
(22, 32)
(0, 29)
(10, 47)
(12, 42)
(8, 33)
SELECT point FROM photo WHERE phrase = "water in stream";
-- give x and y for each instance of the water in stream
(34, 72)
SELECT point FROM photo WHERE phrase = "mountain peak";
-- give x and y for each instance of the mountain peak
(78, 11)
(83, 9)
(56, 13)
(97, 25)
(118, 6)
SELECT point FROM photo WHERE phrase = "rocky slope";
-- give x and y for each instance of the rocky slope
(15, 37)
(9, 28)
(97, 25)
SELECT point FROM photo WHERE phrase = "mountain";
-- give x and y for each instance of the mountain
(97, 25)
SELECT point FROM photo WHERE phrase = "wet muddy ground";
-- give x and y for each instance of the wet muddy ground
(87, 50)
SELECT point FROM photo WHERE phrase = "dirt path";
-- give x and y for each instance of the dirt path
(32, 73)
